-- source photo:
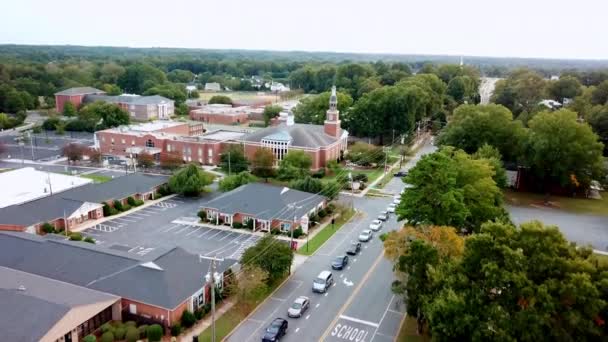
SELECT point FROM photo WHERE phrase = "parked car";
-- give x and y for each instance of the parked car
(391, 208)
(339, 262)
(401, 174)
(366, 235)
(322, 282)
(354, 248)
(375, 225)
(299, 306)
(396, 201)
(383, 216)
(275, 330)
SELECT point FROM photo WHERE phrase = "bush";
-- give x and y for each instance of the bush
(322, 213)
(143, 330)
(109, 211)
(319, 174)
(202, 214)
(188, 319)
(154, 333)
(48, 228)
(237, 225)
(298, 232)
(126, 207)
(89, 338)
(131, 201)
(249, 224)
(107, 337)
(51, 123)
(118, 205)
(107, 327)
(89, 240)
(37, 129)
(120, 332)
(176, 329)
(132, 334)
(275, 232)
(199, 314)
(75, 236)
(330, 208)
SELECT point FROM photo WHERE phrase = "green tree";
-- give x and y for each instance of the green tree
(111, 89)
(307, 184)
(472, 126)
(180, 76)
(271, 255)
(270, 112)
(312, 109)
(463, 89)
(190, 181)
(139, 77)
(154, 332)
(110, 114)
(234, 181)
(263, 163)
(174, 92)
(598, 119)
(599, 96)
(250, 284)
(69, 109)
(220, 99)
(567, 87)
(365, 154)
(494, 158)
(521, 91)
(564, 151)
(295, 165)
(233, 160)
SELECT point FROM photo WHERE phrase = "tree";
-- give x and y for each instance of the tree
(271, 112)
(271, 255)
(463, 89)
(139, 77)
(110, 114)
(172, 91)
(564, 151)
(598, 119)
(295, 165)
(180, 76)
(472, 126)
(250, 284)
(171, 160)
(93, 154)
(234, 181)
(187, 320)
(521, 91)
(365, 154)
(451, 188)
(308, 184)
(599, 96)
(518, 284)
(494, 158)
(567, 87)
(73, 151)
(313, 109)
(263, 163)
(145, 160)
(220, 99)
(69, 109)
(190, 181)
(233, 160)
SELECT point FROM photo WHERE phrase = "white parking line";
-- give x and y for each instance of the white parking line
(356, 320)
(316, 306)
(224, 237)
(170, 228)
(194, 231)
(308, 316)
(209, 230)
(149, 211)
(219, 231)
(119, 219)
(297, 329)
(181, 230)
(139, 214)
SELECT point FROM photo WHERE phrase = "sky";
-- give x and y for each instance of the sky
(507, 28)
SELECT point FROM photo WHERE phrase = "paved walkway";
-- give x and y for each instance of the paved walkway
(203, 324)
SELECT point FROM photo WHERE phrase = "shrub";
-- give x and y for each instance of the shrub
(120, 332)
(126, 207)
(118, 205)
(275, 232)
(154, 333)
(89, 240)
(75, 236)
(109, 211)
(199, 313)
(207, 308)
(176, 329)
(249, 224)
(132, 334)
(360, 177)
(322, 213)
(298, 232)
(319, 174)
(106, 327)
(330, 208)
(51, 123)
(36, 129)
(107, 337)
(237, 225)
(143, 330)
(202, 214)
(188, 319)
(131, 201)
(89, 338)
(48, 228)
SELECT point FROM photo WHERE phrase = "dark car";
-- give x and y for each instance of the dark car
(354, 248)
(275, 330)
(401, 174)
(339, 262)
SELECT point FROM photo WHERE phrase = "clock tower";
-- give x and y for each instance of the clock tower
(332, 121)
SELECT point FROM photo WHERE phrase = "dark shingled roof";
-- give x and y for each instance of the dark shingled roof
(303, 135)
(165, 281)
(80, 91)
(45, 209)
(265, 201)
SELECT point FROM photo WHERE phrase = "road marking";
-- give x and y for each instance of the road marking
(383, 315)
(209, 230)
(139, 214)
(194, 231)
(316, 306)
(170, 228)
(326, 294)
(297, 329)
(348, 268)
(256, 321)
(181, 230)
(355, 260)
(356, 320)
(224, 237)
(308, 316)
(134, 248)
(335, 284)
(341, 275)
(218, 231)
(123, 219)
(279, 299)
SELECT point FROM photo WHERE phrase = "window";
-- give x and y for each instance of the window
(133, 309)
(210, 153)
(122, 141)
(168, 147)
(112, 141)
(149, 143)
(103, 138)
(285, 227)
(200, 151)
(132, 142)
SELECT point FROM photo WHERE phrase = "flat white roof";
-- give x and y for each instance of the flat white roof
(27, 184)
(223, 135)
(148, 126)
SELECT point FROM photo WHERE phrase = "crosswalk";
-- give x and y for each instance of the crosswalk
(104, 228)
(165, 204)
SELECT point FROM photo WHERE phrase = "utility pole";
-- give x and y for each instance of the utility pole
(293, 205)
(228, 163)
(212, 279)
(385, 158)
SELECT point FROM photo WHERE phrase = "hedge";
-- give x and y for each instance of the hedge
(132, 334)
(48, 228)
(75, 236)
(89, 338)
(143, 329)
(120, 333)
(154, 333)
(107, 337)
(188, 319)
(176, 329)
(89, 240)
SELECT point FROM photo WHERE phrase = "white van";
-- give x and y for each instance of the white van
(323, 281)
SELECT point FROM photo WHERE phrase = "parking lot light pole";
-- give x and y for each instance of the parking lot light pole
(295, 207)
(212, 278)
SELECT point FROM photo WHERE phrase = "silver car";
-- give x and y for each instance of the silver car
(375, 225)
(299, 306)
(366, 235)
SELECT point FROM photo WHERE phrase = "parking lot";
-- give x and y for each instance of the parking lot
(42, 147)
(164, 225)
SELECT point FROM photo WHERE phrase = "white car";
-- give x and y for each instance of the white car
(375, 225)
(383, 216)
(366, 235)
(391, 208)
(396, 201)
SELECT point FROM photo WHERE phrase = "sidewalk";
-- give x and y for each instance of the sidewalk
(201, 325)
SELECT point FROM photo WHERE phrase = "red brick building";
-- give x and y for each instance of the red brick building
(220, 114)
(74, 95)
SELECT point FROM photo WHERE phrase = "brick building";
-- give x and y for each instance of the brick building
(220, 114)
(75, 96)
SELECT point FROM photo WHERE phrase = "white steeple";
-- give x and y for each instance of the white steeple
(333, 99)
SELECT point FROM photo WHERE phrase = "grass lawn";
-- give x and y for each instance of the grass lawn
(575, 205)
(372, 174)
(408, 332)
(318, 240)
(97, 178)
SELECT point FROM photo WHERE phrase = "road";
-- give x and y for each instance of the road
(486, 88)
(360, 306)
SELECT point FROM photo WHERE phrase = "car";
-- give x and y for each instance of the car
(339, 262)
(322, 282)
(299, 306)
(391, 208)
(375, 225)
(366, 235)
(401, 174)
(275, 330)
(383, 216)
(396, 201)
(354, 248)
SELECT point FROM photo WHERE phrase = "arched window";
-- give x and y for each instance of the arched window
(149, 143)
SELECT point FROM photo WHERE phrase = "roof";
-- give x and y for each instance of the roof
(169, 279)
(147, 127)
(130, 99)
(43, 301)
(222, 135)
(80, 91)
(27, 184)
(303, 135)
(265, 201)
(41, 210)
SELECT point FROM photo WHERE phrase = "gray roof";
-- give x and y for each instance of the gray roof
(265, 201)
(41, 300)
(136, 100)
(302, 135)
(66, 202)
(80, 91)
(168, 279)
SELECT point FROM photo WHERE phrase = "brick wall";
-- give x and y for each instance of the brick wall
(60, 101)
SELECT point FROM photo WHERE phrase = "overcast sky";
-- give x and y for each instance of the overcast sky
(514, 28)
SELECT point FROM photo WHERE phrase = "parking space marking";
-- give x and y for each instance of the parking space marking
(139, 214)
(194, 231)
(150, 211)
(174, 200)
(207, 230)
(218, 231)
(170, 228)
(165, 205)
(224, 237)
(119, 219)
(181, 230)
(156, 210)
(104, 228)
